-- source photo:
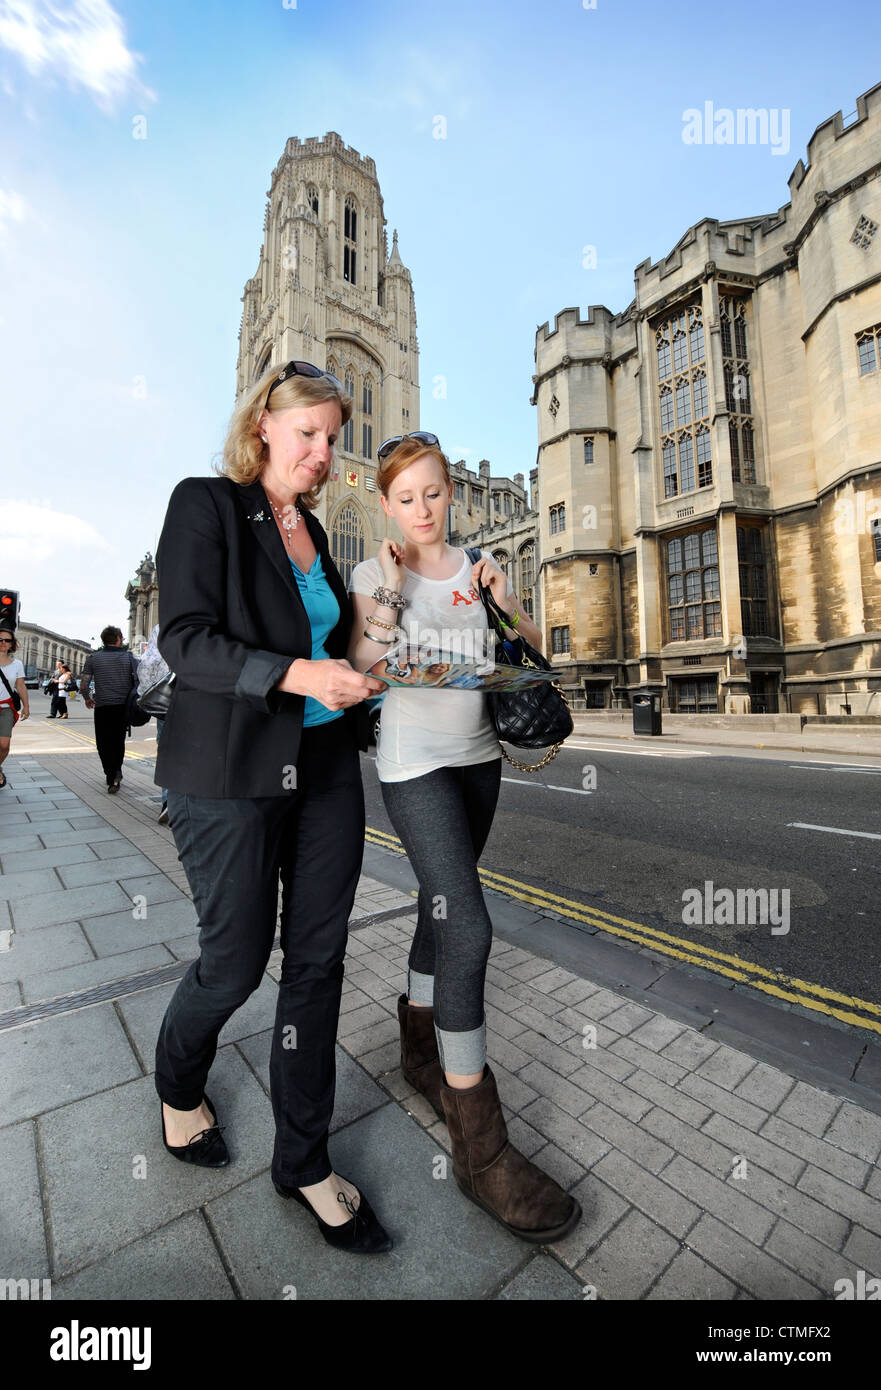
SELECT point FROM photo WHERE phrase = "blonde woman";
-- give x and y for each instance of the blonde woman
(259, 753)
(439, 767)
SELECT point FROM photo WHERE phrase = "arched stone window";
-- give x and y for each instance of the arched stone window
(350, 241)
(527, 578)
(349, 426)
(501, 559)
(264, 363)
(312, 198)
(367, 417)
(347, 540)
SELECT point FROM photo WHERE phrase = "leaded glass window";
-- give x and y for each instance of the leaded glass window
(350, 240)
(527, 577)
(683, 400)
(738, 400)
(693, 594)
(347, 541)
(756, 617)
(869, 349)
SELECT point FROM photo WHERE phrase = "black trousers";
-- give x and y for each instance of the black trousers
(233, 851)
(110, 727)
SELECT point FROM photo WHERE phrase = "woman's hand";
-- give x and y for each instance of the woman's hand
(332, 682)
(391, 560)
(487, 572)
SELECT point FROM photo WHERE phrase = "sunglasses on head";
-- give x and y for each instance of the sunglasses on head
(302, 369)
(388, 446)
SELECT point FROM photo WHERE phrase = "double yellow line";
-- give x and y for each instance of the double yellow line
(809, 996)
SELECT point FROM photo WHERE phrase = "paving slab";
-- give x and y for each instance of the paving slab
(30, 953)
(357, 1093)
(445, 1247)
(113, 932)
(23, 1253)
(95, 1148)
(179, 1261)
(10, 996)
(60, 1059)
(50, 983)
(46, 858)
(15, 887)
(16, 838)
(95, 835)
(105, 871)
(67, 905)
(144, 1012)
(542, 1279)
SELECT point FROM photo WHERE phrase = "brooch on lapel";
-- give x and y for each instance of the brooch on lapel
(258, 516)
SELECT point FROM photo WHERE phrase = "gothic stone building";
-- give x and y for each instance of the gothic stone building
(327, 290)
(709, 461)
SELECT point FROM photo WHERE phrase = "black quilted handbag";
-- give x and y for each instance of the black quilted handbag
(531, 718)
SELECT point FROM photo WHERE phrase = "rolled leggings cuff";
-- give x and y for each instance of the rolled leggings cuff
(420, 988)
(462, 1054)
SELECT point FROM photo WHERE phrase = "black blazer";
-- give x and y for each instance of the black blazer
(231, 620)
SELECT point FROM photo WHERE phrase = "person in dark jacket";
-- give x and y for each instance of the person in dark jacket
(259, 754)
(114, 670)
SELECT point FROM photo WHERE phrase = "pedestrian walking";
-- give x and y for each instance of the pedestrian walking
(65, 682)
(52, 689)
(259, 753)
(113, 670)
(14, 699)
(439, 766)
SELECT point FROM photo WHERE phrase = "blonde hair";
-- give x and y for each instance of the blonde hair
(244, 453)
(403, 455)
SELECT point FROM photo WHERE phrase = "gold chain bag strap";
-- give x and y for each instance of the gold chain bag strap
(535, 717)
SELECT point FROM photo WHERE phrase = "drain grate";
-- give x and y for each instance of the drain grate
(132, 984)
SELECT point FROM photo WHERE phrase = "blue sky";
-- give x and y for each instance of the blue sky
(122, 260)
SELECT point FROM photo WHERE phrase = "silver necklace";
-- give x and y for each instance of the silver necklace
(284, 521)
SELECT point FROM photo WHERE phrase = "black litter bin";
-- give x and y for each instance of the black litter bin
(646, 714)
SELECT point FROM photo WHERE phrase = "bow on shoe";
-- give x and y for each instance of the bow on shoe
(207, 1136)
(348, 1204)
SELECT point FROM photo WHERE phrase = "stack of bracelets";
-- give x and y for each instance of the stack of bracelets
(389, 598)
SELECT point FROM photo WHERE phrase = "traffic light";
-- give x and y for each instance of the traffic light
(9, 607)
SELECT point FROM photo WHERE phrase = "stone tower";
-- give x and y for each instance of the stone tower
(328, 291)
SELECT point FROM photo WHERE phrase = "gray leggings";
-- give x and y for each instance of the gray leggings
(443, 821)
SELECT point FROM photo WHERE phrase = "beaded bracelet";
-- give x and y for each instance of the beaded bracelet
(389, 597)
(378, 622)
(383, 641)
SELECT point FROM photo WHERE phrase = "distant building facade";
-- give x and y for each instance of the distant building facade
(41, 647)
(709, 460)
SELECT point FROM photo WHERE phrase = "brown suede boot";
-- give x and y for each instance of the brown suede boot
(497, 1176)
(419, 1056)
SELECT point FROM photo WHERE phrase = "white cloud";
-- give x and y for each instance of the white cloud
(83, 42)
(32, 531)
(12, 208)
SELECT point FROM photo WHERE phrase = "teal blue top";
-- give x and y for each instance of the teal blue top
(323, 612)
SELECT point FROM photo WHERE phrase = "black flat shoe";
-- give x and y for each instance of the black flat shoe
(207, 1149)
(362, 1233)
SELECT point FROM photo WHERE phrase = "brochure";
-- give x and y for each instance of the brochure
(448, 672)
